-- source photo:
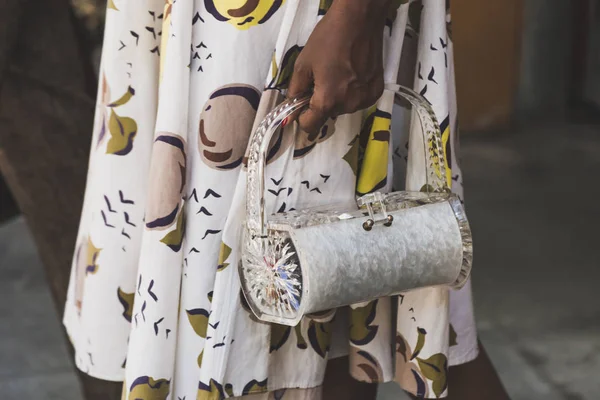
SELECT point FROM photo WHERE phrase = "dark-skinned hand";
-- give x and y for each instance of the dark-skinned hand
(342, 62)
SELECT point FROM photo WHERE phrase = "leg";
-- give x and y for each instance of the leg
(340, 385)
(476, 380)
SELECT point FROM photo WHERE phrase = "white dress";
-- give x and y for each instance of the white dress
(154, 298)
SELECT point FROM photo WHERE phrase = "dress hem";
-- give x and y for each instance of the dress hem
(455, 358)
(463, 357)
(90, 372)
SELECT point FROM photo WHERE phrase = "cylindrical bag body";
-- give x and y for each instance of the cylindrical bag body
(344, 264)
(312, 260)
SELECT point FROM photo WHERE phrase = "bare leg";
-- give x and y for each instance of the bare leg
(340, 385)
(476, 380)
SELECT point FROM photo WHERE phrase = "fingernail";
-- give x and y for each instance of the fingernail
(285, 122)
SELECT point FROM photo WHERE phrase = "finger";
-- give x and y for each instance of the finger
(321, 108)
(363, 97)
(301, 82)
(311, 121)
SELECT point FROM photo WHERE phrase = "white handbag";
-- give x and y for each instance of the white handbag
(316, 259)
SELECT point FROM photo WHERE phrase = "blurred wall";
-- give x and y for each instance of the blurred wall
(592, 83)
(546, 57)
(487, 39)
(525, 59)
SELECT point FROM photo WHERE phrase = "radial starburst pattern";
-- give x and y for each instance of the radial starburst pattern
(272, 268)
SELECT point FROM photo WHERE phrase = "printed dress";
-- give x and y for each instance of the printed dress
(154, 298)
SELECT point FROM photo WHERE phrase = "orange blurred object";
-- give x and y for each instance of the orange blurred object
(487, 37)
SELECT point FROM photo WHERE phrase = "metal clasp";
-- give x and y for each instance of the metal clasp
(370, 202)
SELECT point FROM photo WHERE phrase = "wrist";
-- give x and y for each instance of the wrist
(371, 10)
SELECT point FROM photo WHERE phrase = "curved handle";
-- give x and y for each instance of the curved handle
(261, 138)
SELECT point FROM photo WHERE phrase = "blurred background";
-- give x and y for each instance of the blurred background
(528, 76)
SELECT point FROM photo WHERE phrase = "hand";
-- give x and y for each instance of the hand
(342, 62)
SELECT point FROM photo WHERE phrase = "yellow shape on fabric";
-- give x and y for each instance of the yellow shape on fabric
(122, 131)
(445, 139)
(274, 68)
(300, 341)
(124, 99)
(324, 6)
(92, 257)
(420, 342)
(198, 319)
(319, 337)
(200, 357)
(251, 387)
(279, 336)
(243, 14)
(126, 300)
(210, 392)
(224, 253)
(282, 74)
(164, 38)
(111, 5)
(362, 329)
(435, 368)
(375, 163)
(150, 389)
(174, 239)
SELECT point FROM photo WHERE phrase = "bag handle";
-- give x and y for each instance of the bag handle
(278, 117)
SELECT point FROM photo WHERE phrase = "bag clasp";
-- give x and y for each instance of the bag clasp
(375, 202)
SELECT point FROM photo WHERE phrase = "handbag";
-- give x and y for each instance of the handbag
(311, 260)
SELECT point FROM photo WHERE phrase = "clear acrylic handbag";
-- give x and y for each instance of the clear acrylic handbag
(317, 259)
